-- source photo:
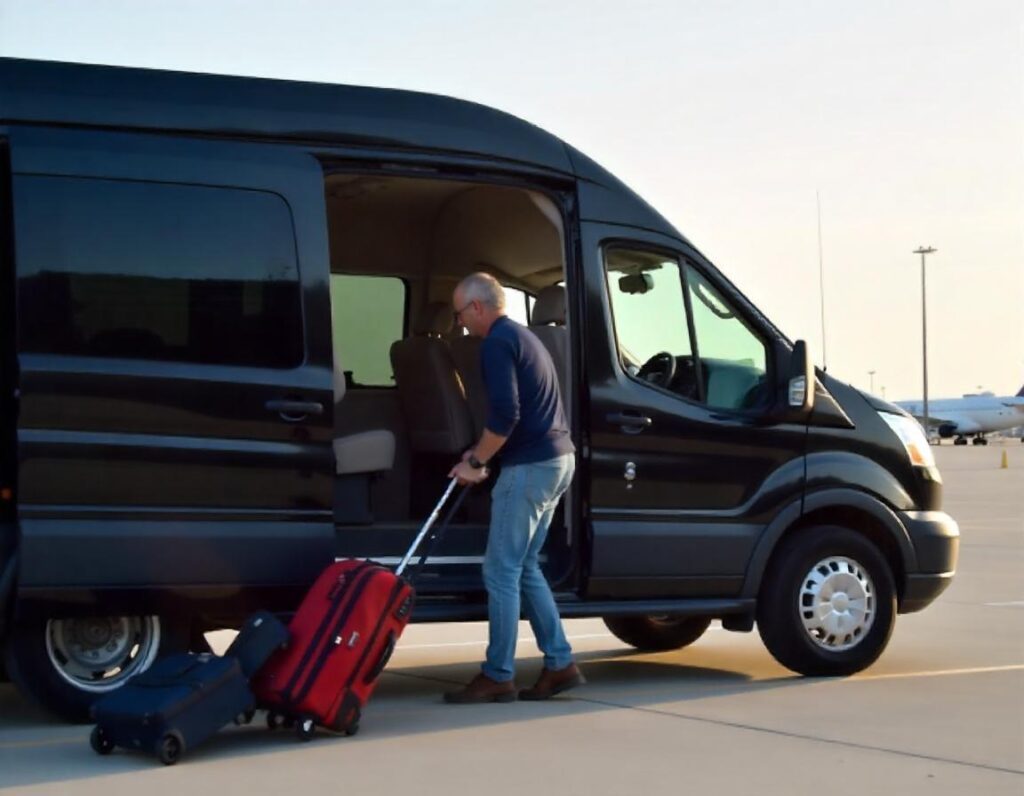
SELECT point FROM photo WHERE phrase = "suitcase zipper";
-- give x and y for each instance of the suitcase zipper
(358, 586)
(339, 704)
(395, 592)
(338, 598)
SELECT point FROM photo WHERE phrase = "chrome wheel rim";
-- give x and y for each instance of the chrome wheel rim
(837, 603)
(99, 653)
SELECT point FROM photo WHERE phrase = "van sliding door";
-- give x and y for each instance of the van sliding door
(176, 413)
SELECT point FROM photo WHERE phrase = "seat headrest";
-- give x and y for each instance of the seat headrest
(549, 307)
(436, 319)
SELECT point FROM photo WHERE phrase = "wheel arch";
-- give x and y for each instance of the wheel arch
(856, 511)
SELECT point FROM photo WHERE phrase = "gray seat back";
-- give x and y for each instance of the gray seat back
(466, 353)
(548, 323)
(431, 394)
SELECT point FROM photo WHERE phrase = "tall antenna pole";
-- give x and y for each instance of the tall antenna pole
(821, 285)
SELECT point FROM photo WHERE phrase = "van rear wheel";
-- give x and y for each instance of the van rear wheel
(827, 606)
(658, 633)
(68, 664)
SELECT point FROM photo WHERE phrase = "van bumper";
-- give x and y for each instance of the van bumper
(936, 539)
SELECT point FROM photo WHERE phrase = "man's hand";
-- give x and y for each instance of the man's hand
(467, 474)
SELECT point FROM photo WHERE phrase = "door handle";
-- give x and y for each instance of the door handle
(631, 421)
(294, 411)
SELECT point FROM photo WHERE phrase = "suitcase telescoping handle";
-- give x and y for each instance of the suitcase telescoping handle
(430, 524)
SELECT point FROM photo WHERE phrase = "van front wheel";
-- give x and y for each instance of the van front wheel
(67, 664)
(827, 605)
(658, 633)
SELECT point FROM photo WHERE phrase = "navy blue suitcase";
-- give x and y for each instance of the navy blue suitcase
(175, 705)
(261, 636)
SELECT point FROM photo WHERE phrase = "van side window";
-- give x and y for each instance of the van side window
(368, 314)
(516, 305)
(733, 358)
(186, 273)
(649, 313)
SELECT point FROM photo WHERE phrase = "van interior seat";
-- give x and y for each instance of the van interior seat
(466, 353)
(548, 323)
(430, 391)
(729, 382)
(366, 452)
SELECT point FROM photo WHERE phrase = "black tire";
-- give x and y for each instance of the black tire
(34, 672)
(658, 633)
(274, 721)
(170, 748)
(786, 598)
(352, 729)
(100, 742)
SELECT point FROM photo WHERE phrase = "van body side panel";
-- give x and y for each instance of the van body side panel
(152, 454)
(8, 393)
(707, 481)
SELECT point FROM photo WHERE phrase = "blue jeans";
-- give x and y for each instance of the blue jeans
(522, 504)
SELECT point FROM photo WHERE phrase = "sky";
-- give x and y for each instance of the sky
(906, 118)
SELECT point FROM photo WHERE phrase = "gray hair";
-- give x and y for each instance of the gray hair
(484, 288)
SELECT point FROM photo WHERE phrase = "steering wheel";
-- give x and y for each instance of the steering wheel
(659, 369)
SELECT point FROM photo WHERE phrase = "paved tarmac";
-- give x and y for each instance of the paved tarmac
(941, 712)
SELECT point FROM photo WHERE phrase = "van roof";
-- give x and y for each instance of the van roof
(49, 92)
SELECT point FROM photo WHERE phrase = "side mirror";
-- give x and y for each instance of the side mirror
(800, 381)
(634, 284)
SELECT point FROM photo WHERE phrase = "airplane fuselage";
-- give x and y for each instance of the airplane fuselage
(970, 415)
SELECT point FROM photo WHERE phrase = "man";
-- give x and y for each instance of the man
(526, 423)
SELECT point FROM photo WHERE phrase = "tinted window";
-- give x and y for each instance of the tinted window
(733, 358)
(368, 315)
(649, 313)
(156, 271)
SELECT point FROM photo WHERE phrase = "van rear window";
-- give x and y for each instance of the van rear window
(368, 315)
(186, 273)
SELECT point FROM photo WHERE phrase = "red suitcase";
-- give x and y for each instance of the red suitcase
(341, 638)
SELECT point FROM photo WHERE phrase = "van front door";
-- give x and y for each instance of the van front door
(176, 408)
(684, 471)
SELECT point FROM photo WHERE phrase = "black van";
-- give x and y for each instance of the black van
(227, 357)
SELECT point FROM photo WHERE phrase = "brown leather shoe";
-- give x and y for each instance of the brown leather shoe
(553, 681)
(482, 689)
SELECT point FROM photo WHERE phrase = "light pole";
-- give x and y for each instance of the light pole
(924, 252)
(871, 373)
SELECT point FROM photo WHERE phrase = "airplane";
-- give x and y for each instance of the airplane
(971, 416)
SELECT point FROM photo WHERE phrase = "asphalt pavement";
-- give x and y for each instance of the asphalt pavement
(941, 712)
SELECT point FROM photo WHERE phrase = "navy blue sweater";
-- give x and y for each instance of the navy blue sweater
(522, 395)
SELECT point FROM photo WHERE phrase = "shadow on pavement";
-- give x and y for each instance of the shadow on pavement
(408, 702)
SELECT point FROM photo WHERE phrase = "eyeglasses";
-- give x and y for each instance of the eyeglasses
(457, 313)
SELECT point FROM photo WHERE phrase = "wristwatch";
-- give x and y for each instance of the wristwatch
(475, 463)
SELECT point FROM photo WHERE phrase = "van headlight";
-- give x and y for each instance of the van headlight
(912, 436)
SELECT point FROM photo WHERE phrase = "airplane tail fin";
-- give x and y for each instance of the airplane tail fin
(1020, 394)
